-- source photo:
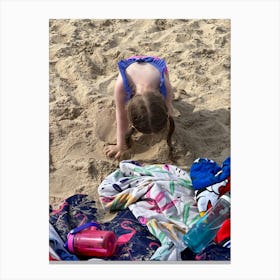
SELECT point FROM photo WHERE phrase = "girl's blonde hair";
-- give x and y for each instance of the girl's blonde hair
(148, 114)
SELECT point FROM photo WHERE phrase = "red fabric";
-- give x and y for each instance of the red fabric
(225, 189)
(223, 233)
(51, 258)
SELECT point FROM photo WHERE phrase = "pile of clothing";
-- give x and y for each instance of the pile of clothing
(162, 202)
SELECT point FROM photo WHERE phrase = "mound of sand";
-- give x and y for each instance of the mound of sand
(83, 67)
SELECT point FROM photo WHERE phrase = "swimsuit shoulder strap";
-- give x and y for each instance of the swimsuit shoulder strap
(123, 64)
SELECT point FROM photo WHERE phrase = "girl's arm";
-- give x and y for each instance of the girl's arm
(121, 119)
(121, 113)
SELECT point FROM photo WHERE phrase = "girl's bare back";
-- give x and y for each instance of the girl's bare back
(143, 77)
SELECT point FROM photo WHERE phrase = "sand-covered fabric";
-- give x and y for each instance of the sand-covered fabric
(83, 56)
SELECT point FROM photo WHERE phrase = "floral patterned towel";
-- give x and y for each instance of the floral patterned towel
(161, 197)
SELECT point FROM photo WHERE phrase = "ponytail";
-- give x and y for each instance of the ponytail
(169, 135)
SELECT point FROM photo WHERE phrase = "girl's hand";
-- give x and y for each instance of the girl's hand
(115, 151)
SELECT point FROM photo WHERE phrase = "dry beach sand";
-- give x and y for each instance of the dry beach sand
(83, 57)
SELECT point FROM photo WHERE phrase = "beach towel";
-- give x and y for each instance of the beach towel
(138, 243)
(161, 197)
(213, 252)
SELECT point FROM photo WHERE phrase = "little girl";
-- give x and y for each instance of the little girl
(143, 97)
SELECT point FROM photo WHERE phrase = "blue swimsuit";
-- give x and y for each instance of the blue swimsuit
(156, 62)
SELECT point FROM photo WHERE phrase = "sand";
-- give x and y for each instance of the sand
(83, 56)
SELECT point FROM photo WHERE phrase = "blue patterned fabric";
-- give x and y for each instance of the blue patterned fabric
(214, 253)
(205, 172)
(80, 209)
(211, 253)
